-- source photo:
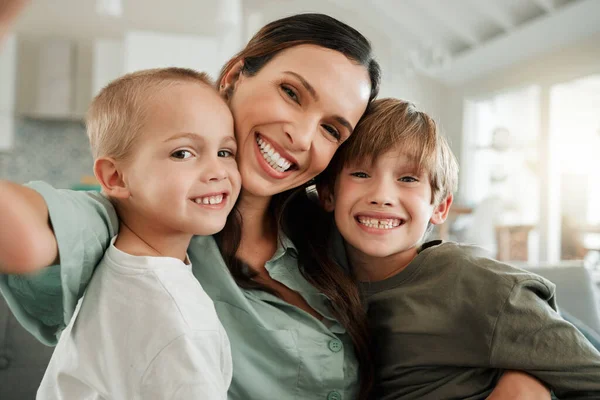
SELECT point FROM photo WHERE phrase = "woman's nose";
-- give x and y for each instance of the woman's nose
(301, 136)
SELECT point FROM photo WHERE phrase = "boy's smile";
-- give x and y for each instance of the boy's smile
(383, 209)
(379, 222)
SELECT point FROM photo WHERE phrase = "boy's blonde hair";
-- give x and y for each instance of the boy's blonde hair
(118, 113)
(392, 124)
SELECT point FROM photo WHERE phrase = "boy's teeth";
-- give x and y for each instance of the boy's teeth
(275, 160)
(210, 199)
(388, 223)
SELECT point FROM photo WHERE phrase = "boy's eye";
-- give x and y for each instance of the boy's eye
(182, 154)
(290, 93)
(408, 179)
(332, 131)
(359, 174)
(225, 153)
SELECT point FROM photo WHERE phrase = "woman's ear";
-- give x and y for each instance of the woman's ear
(230, 79)
(110, 177)
(440, 212)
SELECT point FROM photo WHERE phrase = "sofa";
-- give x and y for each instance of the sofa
(23, 359)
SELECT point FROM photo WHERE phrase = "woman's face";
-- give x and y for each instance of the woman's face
(291, 116)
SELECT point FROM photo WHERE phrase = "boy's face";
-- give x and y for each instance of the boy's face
(183, 176)
(384, 209)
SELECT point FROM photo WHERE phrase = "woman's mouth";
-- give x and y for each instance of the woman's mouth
(272, 157)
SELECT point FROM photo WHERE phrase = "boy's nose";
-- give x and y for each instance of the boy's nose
(381, 202)
(382, 196)
(214, 173)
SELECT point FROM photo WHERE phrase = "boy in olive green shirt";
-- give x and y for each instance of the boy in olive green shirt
(446, 320)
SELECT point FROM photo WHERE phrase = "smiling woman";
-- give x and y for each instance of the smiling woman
(297, 331)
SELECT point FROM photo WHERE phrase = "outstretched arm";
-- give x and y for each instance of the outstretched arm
(27, 242)
(79, 226)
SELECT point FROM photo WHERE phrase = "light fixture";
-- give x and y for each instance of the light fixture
(426, 58)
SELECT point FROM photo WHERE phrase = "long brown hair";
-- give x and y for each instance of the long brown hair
(335, 283)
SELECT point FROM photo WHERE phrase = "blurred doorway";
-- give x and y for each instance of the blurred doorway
(574, 162)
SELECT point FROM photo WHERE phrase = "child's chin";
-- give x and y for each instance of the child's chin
(378, 251)
(209, 229)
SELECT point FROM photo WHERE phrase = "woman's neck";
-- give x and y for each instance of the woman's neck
(138, 238)
(259, 230)
(374, 269)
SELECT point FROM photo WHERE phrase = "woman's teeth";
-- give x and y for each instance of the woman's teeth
(379, 223)
(210, 199)
(273, 158)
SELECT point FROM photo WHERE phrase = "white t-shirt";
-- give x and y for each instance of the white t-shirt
(145, 329)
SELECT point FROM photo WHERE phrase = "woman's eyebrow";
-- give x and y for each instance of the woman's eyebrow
(315, 97)
(306, 85)
(345, 123)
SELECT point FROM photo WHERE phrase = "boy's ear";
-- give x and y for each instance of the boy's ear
(110, 177)
(231, 77)
(326, 197)
(440, 212)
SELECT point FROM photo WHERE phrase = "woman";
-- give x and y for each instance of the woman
(296, 92)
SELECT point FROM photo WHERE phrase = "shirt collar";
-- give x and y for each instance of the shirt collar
(284, 246)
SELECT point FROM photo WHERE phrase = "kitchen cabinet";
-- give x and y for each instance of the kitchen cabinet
(108, 62)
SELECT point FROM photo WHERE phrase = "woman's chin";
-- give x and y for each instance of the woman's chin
(257, 187)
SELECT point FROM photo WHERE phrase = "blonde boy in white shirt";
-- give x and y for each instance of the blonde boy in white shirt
(164, 153)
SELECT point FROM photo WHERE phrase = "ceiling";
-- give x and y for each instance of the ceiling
(451, 41)
(459, 40)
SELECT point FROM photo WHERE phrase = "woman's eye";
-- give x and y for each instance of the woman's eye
(408, 179)
(225, 153)
(332, 131)
(182, 154)
(290, 93)
(359, 174)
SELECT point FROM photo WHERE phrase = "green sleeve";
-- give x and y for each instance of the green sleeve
(531, 336)
(83, 223)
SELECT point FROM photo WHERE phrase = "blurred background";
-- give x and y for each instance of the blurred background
(515, 85)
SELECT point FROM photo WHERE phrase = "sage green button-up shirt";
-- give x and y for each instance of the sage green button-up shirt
(279, 351)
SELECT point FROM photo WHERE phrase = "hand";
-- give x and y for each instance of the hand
(515, 385)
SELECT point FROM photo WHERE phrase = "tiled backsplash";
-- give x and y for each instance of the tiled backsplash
(53, 151)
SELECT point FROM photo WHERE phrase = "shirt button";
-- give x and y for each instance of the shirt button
(4, 362)
(333, 395)
(335, 345)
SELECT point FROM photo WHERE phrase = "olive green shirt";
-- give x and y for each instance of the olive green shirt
(279, 351)
(450, 323)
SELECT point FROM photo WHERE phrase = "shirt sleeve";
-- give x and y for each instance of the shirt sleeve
(190, 367)
(531, 336)
(83, 223)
